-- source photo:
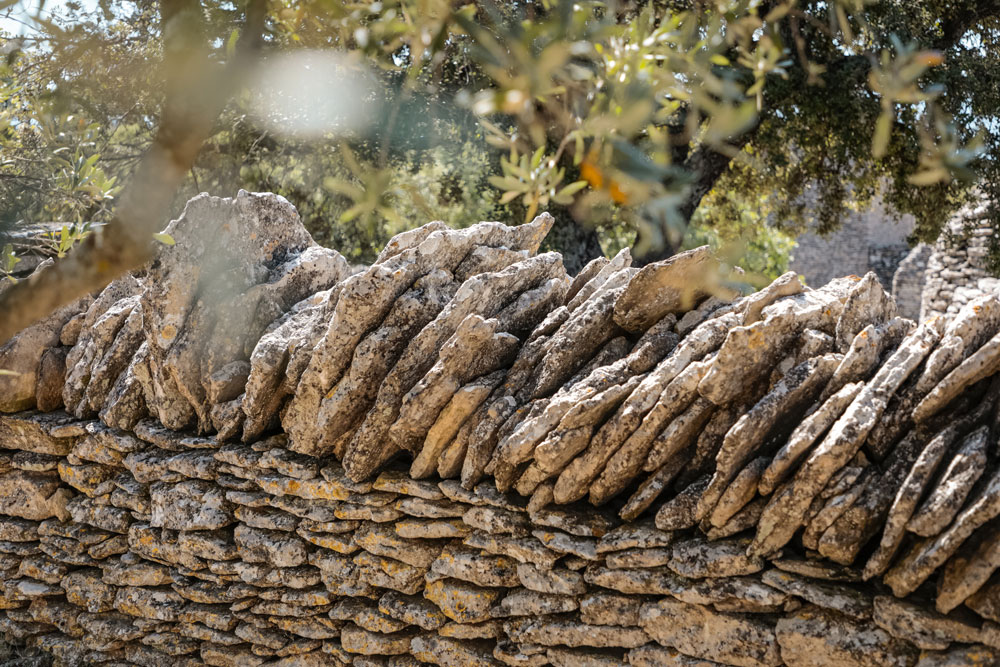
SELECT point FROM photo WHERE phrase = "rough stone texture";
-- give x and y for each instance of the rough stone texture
(816, 637)
(402, 465)
(957, 265)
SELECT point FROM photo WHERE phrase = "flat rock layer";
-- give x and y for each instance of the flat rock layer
(250, 454)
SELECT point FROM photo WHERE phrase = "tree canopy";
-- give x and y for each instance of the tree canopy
(746, 120)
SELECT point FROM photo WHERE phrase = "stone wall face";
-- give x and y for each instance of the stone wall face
(957, 269)
(249, 455)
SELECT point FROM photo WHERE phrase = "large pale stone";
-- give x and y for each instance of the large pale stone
(814, 637)
(673, 285)
(189, 505)
(697, 631)
(33, 495)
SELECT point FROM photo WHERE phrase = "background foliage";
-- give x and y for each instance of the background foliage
(656, 125)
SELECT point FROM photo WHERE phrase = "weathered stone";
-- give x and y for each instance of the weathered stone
(190, 505)
(805, 435)
(837, 597)
(848, 534)
(23, 356)
(579, 406)
(983, 363)
(289, 464)
(786, 512)
(967, 572)
(740, 492)
(796, 390)
(522, 602)
(482, 570)
(639, 558)
(654, 655)
(585, 285)
(663, 393)
(698, 558)
(161, 604)
(908, 495)
(944, 502)
(986, 601)
(494, 520)
(579, 338)
(671, 286)
(925, 628)
(926, 556)
(478, 295)
(821, 638)
(706, 634)
(275, 547)
(973, 656)
(572, 633)
(32, 432)
(641, 581)
(344, 406)
(749, 351)
(571, 544)
(679, 512)
(33, 495)
(867, 304)
(460, 601)
(522, 549)
(449, 652)
(382, 540)
(266, 518)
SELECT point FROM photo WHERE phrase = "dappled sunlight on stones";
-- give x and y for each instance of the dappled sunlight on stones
(461, 455)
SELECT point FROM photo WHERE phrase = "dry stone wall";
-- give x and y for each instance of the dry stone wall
(249, 455)
(958, 266)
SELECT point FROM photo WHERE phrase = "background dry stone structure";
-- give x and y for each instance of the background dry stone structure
(250, 454)
(957, 267)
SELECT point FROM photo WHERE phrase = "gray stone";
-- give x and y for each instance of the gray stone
(462, 602)
(557, 581)
(925, 628)
(983, 363)
(679, 512)
(33, 495)
(190, 505)
(797, 389)
(697, 558)
(522, 549)
(946, 499)
(702, 633)
(449, 652)
(805, 435)
(482, 570)
(867, 304)
(274, 547)
(751, 351)
(822, 638)
(926, 556)
(382, 540)
(572, 633)
(670, 286)
(786, 512)
(522, 602)
(838, 597)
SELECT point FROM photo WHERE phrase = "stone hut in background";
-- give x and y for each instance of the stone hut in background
(957, 268)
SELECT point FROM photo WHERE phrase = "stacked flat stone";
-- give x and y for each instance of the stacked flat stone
(462, 456)
(958, 265)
